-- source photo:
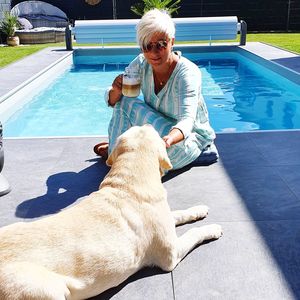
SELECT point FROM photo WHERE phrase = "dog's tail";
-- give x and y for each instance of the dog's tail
(24, 280)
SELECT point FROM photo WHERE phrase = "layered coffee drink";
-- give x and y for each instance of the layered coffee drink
(131, 88)
(131, 83)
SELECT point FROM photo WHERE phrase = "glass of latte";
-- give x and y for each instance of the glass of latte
(131, 83)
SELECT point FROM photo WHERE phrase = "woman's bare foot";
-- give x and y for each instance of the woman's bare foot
(101, 149)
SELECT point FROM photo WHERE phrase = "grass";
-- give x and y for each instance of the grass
(288, 41)
(12, 54)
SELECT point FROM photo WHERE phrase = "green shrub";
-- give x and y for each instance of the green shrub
(141, 8)
(9, 24)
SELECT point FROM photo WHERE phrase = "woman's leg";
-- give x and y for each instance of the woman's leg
(134, 112)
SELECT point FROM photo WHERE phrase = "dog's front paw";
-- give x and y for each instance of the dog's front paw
(199, 211)
(213, 231)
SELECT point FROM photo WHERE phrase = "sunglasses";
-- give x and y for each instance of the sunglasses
(159, 45)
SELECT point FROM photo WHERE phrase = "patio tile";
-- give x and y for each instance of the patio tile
(291, 176)
(210, 186)
(8, 209)
(264, 193)
(37, 154)
(235, 193)
(278, 148)
(250, 261)
(60, 174)
(148, 283)
(239, 149)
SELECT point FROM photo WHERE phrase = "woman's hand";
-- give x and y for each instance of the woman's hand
(168, 140)
(174, 136)
(117, 83)
(115, 93)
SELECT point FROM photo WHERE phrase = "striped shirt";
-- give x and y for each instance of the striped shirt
(179, 104)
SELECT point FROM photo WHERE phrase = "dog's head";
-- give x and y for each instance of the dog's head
(144, 139)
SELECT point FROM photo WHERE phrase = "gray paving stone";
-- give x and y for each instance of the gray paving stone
(210, 186)
(252, 260)
(239, 148)
(146, 284)
(291, 176)
(278, 147)
(264, 193)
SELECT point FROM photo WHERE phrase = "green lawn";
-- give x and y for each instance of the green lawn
(11, 54)
(288, 41)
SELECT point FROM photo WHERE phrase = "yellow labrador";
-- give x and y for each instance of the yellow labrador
(95, 245)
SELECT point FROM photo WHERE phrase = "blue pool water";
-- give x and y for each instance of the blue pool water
(240, 94)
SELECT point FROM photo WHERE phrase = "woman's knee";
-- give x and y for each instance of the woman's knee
(181, 156)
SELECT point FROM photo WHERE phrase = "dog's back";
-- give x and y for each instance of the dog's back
(98, 243)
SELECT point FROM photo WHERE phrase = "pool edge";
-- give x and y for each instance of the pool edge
(32, 78)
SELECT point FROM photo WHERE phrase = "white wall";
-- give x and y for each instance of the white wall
(4, 6)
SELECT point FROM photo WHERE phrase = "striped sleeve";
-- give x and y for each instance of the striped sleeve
(189, 89)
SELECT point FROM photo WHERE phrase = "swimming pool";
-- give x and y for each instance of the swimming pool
(241, 94)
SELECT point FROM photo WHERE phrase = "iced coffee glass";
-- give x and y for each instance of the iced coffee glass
(131, 83)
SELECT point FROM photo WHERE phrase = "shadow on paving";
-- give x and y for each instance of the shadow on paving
(269, 193)
(282, 237)
(143, 273)
(63, 189)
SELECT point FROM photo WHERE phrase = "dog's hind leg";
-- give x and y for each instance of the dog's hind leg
(191, 214)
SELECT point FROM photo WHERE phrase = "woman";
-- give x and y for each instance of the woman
(173, 103)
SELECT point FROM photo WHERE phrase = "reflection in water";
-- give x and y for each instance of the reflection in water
(269, 110)
(289, 114)
(241, 97)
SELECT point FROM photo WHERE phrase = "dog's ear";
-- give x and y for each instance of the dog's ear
(164, 161)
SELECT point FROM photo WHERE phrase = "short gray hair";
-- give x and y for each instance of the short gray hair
(154, 21)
